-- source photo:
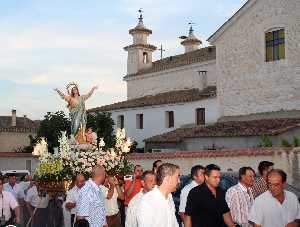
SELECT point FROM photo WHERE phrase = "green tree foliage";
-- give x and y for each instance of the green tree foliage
(285, 143)
(103, 125)
(296, 142)
(266, 141)
(52, 126)
(30, 147)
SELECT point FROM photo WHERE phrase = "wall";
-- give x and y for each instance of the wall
(212, 143)
(236, 142)
(18, 163)
(246, 82)
(286, 159)
(13, 140)
(154, 118)
(179, 78)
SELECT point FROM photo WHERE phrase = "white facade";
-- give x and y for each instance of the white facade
(246, 82)
(179, 78)
(154, 118)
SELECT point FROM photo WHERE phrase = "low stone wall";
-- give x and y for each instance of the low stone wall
(287, 159)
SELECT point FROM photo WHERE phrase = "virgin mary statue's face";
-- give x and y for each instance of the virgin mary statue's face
(74, 91)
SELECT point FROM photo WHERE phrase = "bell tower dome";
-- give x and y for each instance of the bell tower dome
(191, 42)
(140, 52)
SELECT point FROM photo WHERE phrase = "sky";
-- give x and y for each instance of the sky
(45, 44)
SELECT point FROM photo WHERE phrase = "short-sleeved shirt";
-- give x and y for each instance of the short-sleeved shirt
(133, 206)
(111, 205)
(17, 190)
(72, 197)
(156, 210)
(35, 200)
(184, 194)
(267, 211)
(137, 188)
(204, 208)
(7, 202)
(91, 204)
(32, 196)
(239, 199)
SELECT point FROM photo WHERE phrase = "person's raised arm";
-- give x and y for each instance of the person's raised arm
(88, 95)
(119, 189)
(62, 95)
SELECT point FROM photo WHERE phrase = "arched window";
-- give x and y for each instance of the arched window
(145, 58)
(275, 45)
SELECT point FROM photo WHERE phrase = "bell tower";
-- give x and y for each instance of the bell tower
(191, 42)
(140, 52)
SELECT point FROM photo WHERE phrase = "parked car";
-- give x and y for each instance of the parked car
(228, 179)
(19, 173)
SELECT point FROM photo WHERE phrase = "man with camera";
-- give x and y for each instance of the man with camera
(8, 203)
(133, 185)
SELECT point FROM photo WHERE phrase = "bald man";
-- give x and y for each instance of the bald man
(91, 205)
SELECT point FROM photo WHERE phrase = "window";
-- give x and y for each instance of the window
(169, 119)
(120, 121)
(200, 116)
(139, 121)
(275, 45)
(145, 58)
(28, 165)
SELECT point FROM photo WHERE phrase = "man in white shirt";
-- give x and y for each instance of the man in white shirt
(24, 184)
(8, 202)
(157, 206)
(276, 207)
(197, 174)
(37, 206)
(240, 198)
(148, 183)
(72, 196)
(112, 192)
(14, 188)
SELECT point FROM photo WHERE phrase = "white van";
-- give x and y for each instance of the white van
(18, 173)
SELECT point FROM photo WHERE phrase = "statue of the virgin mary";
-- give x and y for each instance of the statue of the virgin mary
(76, 106)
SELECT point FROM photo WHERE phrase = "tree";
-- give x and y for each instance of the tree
(52, 126)
(103, 125)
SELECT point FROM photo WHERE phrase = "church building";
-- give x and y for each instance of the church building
(245, 85)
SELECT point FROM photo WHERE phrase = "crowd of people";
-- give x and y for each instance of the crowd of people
(144, 199)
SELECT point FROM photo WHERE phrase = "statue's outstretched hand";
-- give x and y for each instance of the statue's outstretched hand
(95, 87)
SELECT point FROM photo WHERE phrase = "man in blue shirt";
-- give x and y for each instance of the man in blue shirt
(91, 204)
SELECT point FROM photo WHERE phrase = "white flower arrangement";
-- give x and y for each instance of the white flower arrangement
(81, 158)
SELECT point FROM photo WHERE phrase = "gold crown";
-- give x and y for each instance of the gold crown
(71, 84)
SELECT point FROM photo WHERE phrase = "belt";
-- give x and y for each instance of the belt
(112, 216)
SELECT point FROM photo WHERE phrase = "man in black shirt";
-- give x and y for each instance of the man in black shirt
(206, 205)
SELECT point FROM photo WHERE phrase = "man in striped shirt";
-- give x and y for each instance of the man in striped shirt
(260, 185)
(240, 198)
(90, 204)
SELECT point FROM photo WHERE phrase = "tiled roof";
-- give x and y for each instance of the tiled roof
(212, 153)
(15, 154)
(172, 97)
(23, 124)
(201, 55)
(229, 129)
